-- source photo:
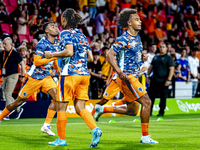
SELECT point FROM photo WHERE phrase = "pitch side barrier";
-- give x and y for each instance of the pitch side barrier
(38, 109)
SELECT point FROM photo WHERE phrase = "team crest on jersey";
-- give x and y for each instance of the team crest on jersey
(140, 89)
(24, 94)
(106, 94)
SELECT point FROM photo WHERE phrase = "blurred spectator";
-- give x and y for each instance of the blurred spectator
(82, 3)
(36, 30)
(31, 59)
(22, 23)
(173, 34)
(163, 69)
(95, 73)
(15, 39)
(85, 16)
(141, 13)
(10, 70)
(33, 17)
(151, 54)
(92, 8)
(149, 30)
(182, 72)
(34, 44)
(22, 50)
(105, 67)
(100, 21)
(194, 65)
(3, 13)
(112, 5)
(55, 13)
(25, 9)
(113, 26)
(46, 14)
(14, 16)
(169, 24)
(172, 50)
(124, 4)
(160, 34)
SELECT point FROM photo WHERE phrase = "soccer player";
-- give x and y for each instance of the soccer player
(128, 50)
(111, 90)
(39, 76)
(74, 80)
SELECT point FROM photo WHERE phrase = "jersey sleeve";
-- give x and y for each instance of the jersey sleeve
(40, 48)
(18, 57)
(119, 45)
(171, 62)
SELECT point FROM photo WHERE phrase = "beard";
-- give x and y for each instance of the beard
(54, 35)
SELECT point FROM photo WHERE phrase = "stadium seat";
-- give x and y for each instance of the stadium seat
(27, 31)
(10, 9)
(6, 2)
(89, 39)
(22, 37)
(5, 27)
(30, 38)
(13, 3)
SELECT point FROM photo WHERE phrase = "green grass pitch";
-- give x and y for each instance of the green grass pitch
(176, 132)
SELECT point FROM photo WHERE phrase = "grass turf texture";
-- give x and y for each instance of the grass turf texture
(180, 132)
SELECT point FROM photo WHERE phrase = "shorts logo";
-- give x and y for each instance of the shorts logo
(106, 94)
(24, 94)
(140, 89)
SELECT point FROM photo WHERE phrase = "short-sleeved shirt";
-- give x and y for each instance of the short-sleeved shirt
(129, 53)
(40, 72)
(194, 65)
(12, 63)
(184, 64)
(161, 64)
(94, 68)
(77, 64)
(99, 26)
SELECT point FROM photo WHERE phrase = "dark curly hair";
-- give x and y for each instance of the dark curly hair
(124, 16)
(72, 18)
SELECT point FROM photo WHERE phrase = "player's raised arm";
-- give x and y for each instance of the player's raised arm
(67, 52)
(39, 61)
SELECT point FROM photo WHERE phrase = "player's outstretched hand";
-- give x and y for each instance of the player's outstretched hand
(123, 76)
(145, 57)
(47, 54)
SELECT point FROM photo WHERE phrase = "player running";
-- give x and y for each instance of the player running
(128, 50)
(111, 90)
(39, 76)
(74, 80)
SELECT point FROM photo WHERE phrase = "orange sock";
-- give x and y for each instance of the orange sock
(93, 112)
(4, 113)
(50, 115)
(119, 103)
(108, 109)
(144, 127)
(87, 117)
(61, 124)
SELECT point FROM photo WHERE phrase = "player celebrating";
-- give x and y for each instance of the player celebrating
(39, 76)
(74, 80)
(128, 49)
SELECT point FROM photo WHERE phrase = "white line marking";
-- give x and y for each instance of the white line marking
(97, 122)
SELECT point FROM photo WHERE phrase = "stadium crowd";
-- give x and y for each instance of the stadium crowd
(176, 22)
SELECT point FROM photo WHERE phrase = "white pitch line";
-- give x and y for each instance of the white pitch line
(97, 122)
